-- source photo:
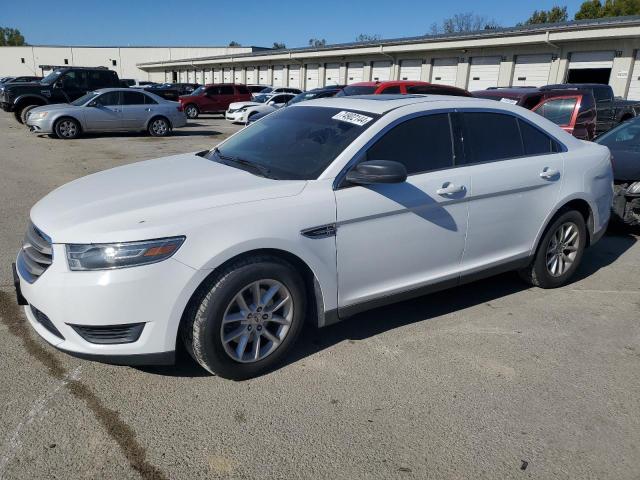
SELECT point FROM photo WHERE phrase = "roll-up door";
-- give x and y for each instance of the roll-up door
(237, 75)
(278, 79)
(381, 71)
(590, 67)
(251, 75)
(531, 70)
(208, 76)
(332, 74)
(294, 76)
(263, 78)
(227, 76)
(484, 73)
(410, 69)
(634, 85)
(354, 72)
(217, 75)
(312, 78)
(445, 71)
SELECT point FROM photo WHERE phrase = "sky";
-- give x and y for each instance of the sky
(259, 23)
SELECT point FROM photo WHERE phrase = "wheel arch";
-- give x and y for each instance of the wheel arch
(62, 116)
(579, 204)
(158, 115)
(313, 288)
(24, 99)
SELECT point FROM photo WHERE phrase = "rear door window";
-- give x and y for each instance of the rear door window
(558, 110)
(488, 137)
(392, 89)
(242, 89)
(535, 141)
(421, 144)
(109, 99)
(226, 90)
(133, 98)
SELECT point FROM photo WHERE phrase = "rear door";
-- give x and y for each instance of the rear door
(135, 111)
(226, 97)
(105, 114)
(516, 178)
(562, 111)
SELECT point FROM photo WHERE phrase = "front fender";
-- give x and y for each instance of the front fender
(31, 96)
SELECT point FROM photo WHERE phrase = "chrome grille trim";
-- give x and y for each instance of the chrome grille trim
(36, 254)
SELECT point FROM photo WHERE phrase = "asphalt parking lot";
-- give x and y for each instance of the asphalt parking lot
(491, 380)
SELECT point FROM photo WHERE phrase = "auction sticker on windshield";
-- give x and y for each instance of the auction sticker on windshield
(352, 117)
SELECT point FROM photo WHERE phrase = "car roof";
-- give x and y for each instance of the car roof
(380, 104)
(386, 83)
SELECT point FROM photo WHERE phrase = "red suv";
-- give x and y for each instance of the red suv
(401, 87)
(573, 110)
(213, 98)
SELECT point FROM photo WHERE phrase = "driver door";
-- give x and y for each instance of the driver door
(104, 113)
(398, 238)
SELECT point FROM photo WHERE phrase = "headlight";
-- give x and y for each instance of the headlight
(634, 189)
(38, 115)
(121, 255)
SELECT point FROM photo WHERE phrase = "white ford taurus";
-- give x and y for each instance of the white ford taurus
(314, 213)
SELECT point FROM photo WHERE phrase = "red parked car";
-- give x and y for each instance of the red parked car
(402, 87)
(573, 110)
(213, 98)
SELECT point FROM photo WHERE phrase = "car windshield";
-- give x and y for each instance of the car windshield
(261, 98)
(266, 90)
(293, 143)
(198, 91)
(301, 97)
(625, 136)
(357, 90)
(51, 78)
(84, 99)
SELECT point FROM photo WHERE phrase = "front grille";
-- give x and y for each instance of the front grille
(45, 322)
(110, 334)
(36, 254)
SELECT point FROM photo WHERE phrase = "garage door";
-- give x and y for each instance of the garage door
(217, 75)
(208, 76)
(354, 72)
(278, 79)
(227, 76)
(381, 71)
(445, 71)
(634, 85)
(531, 70)
(251, 75)
(263, 78)
(294, 76)
(590, 67)
(237, 75)
(410, 69)
(332, 74)
(483, 73)
(312, 78)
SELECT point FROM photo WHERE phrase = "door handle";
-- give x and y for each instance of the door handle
(549, 173)
(449, 188)
(148, 109)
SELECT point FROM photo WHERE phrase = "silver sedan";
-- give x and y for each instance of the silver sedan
(108, 110)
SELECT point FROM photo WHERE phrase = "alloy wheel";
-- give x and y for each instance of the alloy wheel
(68, 129)
(562, 249)
(159, 127)
(257, 320)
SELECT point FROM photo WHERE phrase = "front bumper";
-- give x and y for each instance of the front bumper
(155, 295)
(43, 125)
(235, 116)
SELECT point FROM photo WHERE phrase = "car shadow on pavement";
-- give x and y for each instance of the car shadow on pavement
(175, 133)
(425, 308)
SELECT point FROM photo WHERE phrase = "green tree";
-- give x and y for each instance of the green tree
(317, 42)
(233, 43)
(464, 22)
(555, 15)
(364, 37)
(11, 37)
(611, 8)
(279, 45)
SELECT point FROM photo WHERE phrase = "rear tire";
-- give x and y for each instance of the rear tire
(67, 128)
(559, 253)
(232, 335)
(159, 127)
(191, 111)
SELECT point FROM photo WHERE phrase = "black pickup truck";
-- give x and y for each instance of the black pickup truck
(610, 110)
(62, 85)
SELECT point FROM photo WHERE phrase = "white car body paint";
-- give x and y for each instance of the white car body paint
(381, 247)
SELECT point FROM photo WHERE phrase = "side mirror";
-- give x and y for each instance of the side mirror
(377, 171)
(93, 103)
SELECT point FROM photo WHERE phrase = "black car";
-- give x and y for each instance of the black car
(62, 85)
(8, 80)
(322, 92)
(172, 91)
(610, 111)
(624, 143)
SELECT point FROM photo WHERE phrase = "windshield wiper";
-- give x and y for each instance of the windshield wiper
(254, 167)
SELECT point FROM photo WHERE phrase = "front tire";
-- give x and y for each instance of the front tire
(246, 318)
(159, 127)
(559, 253)
(191, 111)
(67, 128)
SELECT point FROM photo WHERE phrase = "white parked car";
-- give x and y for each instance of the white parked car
(240, 112)
(317, 212)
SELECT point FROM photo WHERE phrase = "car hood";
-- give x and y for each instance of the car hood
(55, 106)
(626, 165)
(237, 105)
(149, 199)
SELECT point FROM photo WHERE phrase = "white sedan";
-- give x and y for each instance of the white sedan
(239, 112)
(319, 211)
